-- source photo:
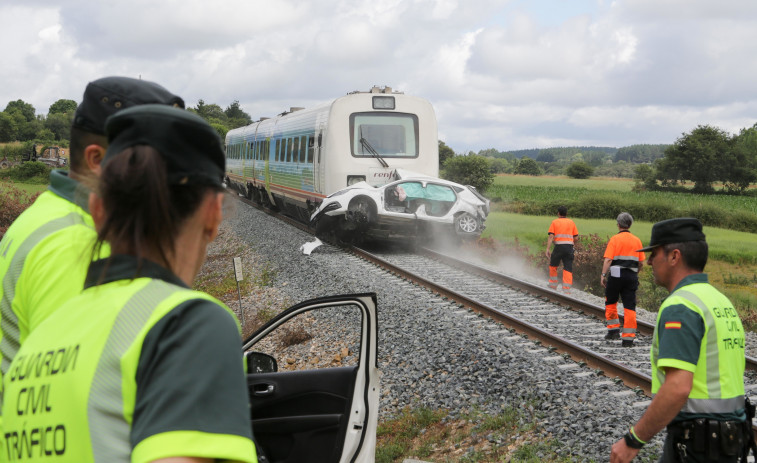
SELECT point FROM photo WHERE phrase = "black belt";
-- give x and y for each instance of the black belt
(709, 437)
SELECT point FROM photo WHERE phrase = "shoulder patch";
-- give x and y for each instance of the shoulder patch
(673, 325)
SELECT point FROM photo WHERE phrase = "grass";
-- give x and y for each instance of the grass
(428, 434)
(29, 188)
(725, 245)
(516, 189)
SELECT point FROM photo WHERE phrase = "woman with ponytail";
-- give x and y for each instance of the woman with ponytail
(139, 367)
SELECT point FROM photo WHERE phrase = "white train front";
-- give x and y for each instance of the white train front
(296, 159)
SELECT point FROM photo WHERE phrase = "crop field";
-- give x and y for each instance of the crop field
(520, 188)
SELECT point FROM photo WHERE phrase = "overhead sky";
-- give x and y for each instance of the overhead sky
(503, 74)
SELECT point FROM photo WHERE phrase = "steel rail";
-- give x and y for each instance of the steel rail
(629, 376)
(562, 299)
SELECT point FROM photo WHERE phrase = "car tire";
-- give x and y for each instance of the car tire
(466, 224)
(362, 209)
(4, 165)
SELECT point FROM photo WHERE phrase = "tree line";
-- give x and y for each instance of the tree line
(19, 121)
(706, 157)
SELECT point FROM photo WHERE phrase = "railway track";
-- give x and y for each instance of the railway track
(564, 324)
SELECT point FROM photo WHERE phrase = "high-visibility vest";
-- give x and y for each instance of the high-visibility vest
(718, 383)
(71, 390)
(564, 230)
(44, 257)
(622, 249)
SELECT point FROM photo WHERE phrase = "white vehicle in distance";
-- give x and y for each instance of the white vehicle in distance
(415, 206)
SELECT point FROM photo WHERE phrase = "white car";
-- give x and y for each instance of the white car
(313, 382)
(415, 206)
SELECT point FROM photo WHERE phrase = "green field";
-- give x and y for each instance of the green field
(726, 245)
(529, 189)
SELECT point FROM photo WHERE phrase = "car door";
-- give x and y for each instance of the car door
(313, 381)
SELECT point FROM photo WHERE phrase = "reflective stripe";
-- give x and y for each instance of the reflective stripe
(109, 431)
(714, 405)
(614, 320)
(713, 353)
(628, 330)
(11, 340)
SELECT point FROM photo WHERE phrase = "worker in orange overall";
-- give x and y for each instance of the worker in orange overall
(620, 278)
(563, 233)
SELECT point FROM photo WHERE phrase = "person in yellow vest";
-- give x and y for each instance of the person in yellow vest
(139, 367)
(563, 232)
(620, 278)
(697, 358)
(45, 253)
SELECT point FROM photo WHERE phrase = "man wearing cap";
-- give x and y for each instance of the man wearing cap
(45, 253)
(620, 278)
(697, 358)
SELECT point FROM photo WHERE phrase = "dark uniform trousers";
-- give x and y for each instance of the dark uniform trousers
(709, 442)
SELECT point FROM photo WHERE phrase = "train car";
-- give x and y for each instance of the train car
(296, 159)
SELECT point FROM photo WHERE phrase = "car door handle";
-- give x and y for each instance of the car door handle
(262, 389)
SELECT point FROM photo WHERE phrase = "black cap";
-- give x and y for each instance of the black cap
(190, 146)
(675, 231)
(103, 97)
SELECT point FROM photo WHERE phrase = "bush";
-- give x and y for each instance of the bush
(579, 170)
(469, 170)
(13, 201)
(28, 172)
(587, 264)
(527, 166)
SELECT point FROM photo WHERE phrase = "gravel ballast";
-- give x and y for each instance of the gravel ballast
(436, 354)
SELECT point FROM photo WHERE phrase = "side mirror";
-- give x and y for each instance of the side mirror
(258, 362)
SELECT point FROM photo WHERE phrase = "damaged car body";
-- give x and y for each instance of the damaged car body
(413, 206)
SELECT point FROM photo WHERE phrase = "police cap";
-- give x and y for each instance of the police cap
(190, 147)
(103, 97)
(678, 230)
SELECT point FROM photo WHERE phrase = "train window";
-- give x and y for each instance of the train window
(278, 149)
(311, 145)
(390, 135)
(296, 150)
(303, 149)
(289, 150)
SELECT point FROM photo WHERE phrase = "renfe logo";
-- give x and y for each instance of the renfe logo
(382, 174)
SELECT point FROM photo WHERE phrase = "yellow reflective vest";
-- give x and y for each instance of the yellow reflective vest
(717, 359)
(130, 370)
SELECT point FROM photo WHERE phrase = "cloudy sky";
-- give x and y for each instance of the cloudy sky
(504, 74)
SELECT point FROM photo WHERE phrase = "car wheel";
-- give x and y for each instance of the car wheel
(466, 223)
(362, 210)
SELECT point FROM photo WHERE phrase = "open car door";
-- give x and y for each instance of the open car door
(314, 383)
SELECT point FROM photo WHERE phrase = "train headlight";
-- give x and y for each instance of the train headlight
(353, 179)
(383, 102)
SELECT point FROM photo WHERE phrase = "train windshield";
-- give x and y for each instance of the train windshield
(391, 135)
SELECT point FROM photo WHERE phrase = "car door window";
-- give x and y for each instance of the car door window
(319, 401)
(324, 338)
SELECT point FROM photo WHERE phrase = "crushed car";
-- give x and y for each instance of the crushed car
(413, 206)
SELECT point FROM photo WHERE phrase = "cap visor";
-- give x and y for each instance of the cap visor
(647, 249)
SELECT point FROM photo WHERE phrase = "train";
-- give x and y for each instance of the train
(293, 161)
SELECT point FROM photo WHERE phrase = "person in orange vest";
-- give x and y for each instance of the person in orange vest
(563, 233)
(620, 278)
